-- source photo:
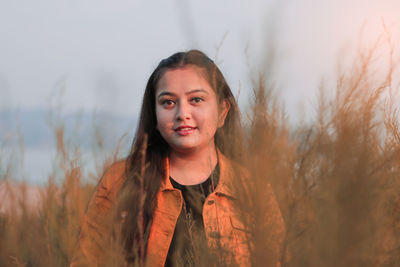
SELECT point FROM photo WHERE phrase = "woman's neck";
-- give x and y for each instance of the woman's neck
(192, 167)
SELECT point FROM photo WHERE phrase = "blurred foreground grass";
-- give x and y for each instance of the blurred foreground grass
(337, 181)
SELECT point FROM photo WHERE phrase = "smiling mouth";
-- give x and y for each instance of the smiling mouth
(185, 130)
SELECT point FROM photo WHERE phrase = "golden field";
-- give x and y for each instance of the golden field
(336, 178)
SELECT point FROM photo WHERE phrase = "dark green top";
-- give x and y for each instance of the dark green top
(189, 246)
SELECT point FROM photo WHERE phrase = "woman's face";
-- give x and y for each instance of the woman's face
(188, 113)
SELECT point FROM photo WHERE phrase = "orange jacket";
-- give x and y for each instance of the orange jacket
(221, 222)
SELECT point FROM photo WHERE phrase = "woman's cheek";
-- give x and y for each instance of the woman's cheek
(164, 117)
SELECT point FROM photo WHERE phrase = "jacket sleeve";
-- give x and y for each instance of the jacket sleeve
(269, 229)
(263, 217)
(96, 226)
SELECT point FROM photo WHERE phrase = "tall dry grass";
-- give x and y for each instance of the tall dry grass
(336, 179)
(39, 225)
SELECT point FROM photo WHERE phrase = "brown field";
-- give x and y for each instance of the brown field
(337, 181)
(25, 194)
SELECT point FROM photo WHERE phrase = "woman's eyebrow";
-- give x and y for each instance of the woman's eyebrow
(165, 93)
(187, 93)
(196, 91)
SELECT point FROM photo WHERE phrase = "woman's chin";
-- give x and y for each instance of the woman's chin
(185, 149)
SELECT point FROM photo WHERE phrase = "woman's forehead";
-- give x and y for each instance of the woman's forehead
(184, 79)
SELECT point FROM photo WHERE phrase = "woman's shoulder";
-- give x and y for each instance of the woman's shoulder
(234, 174)
(113, 177)
(233, 166)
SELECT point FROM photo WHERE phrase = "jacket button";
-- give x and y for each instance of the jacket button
(210, 202)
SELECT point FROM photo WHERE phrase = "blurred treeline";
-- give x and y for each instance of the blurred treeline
(336, 178)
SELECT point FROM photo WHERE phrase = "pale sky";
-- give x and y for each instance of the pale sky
(99, 53)
(102, 52)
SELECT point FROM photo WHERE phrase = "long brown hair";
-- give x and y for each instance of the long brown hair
(145, 170)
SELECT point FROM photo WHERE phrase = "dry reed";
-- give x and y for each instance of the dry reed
(337, 182)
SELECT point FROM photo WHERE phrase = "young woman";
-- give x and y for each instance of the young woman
(175, 200)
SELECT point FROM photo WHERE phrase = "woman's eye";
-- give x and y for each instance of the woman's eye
(197, 99)
(167, 103)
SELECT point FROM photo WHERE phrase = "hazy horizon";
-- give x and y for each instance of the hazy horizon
(97, 55)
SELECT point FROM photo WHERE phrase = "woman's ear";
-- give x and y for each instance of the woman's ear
(224, 109)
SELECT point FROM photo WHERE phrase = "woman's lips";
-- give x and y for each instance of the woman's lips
(184, 130)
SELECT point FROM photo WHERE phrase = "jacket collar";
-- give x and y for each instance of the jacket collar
(224, 186)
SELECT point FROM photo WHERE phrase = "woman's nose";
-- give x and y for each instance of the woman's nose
(183, 112)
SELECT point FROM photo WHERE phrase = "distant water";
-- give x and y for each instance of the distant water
(39, 164)
(36, 160)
